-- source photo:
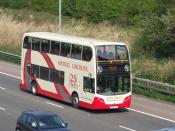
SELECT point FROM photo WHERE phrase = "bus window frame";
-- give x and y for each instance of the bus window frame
(89, 84)
(35, 44)
(75, 56)
(24, 42)
(52, 42)
(83, 57)
(42, 48)
(63, 54)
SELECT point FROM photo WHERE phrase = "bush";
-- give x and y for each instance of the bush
(157, 70)
(158, 38)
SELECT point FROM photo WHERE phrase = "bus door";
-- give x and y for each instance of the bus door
(88, 89)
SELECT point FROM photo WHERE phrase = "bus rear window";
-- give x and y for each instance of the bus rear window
(27, 42)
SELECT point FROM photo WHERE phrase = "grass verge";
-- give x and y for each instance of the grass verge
(10, 59)
(154, 94)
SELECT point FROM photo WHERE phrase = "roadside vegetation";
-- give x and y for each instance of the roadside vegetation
(148, 27)
(123, 12)
(14, 23)
(154, 94)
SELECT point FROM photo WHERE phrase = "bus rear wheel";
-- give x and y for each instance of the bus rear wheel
(34, 88)
(75, 101)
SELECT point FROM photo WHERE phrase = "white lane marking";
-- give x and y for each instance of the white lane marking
(2, 109)
(128, 108)
(2, 88)
(10, 75)
(55, 105)
(126, 128)
(166, 119)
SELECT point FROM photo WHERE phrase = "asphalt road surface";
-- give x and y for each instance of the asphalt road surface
(144, 115)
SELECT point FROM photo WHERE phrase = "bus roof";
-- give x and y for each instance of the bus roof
(71, 39)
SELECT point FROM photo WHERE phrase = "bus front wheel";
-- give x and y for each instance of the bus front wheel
(34, 88)
(75, 101)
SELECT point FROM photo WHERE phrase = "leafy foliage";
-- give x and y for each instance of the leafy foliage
(158, 38)
(122, 12)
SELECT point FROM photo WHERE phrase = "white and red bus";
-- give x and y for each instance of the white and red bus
(86, 72)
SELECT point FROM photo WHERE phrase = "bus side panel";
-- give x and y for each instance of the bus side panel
(55, 94)
(50, 89)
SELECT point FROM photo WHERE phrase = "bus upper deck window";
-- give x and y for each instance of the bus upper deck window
(65, 49)
(87, 53)
(45, 46)
(55, 47)
(27, 43)
(76, 52)
(36, 44)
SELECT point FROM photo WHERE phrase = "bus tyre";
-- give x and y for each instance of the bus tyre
(75, 101)
(34, 88)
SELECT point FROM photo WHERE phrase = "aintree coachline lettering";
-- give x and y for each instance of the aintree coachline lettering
(65, 64)
(73, 66)
(80, 67)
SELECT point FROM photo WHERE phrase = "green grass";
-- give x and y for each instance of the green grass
(12, 50)
(9, 59)
(154, 94)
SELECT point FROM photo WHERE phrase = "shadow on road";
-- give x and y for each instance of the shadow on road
(105, 111)
(124, 110)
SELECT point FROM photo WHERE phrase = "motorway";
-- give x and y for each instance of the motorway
(144, 115)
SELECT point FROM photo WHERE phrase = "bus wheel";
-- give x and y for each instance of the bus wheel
(34, 88)
(75, 101)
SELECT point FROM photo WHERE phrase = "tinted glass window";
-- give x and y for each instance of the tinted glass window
(23, 118)
(88, 85)
(111, 52)
(54, 76)
(65, 49)
(45, 46)
(76, 52)
(87, 53)
(113, 85)
(31, 121)
(27, 42)
(35, 71)
(122, 52)
(36, 44)
(50, 122)
(44, 73)
(55, 47)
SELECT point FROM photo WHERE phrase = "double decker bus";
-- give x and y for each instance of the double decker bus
(89, 73)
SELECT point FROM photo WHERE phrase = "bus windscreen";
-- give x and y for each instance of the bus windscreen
(111, 52)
